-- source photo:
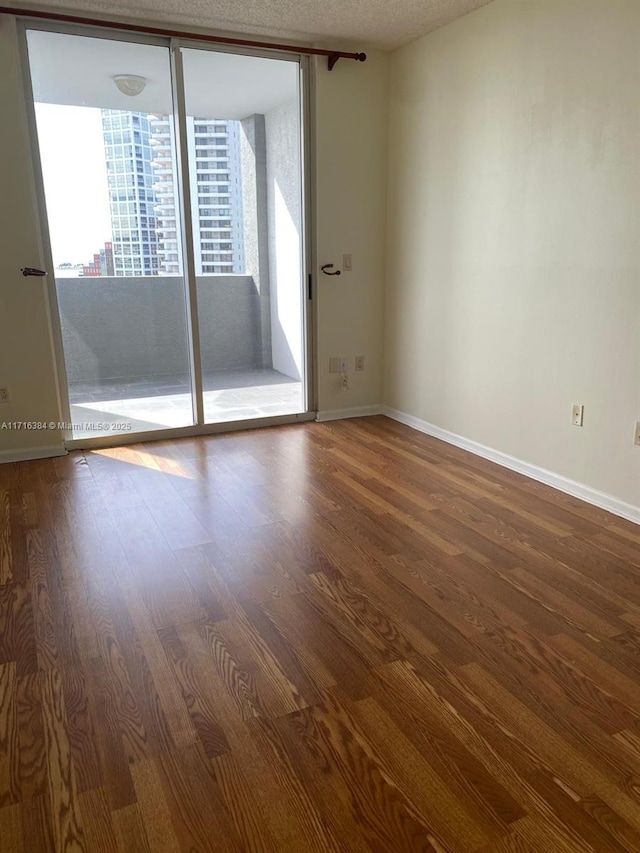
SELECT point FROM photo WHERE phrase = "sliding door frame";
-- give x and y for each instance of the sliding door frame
(186, 228)
(307, 242)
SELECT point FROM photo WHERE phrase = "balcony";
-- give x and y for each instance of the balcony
(127, 360)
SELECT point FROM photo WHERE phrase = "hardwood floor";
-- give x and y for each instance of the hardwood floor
(323, 637)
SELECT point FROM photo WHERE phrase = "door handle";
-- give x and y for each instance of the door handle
(326, 269)
(32, 271)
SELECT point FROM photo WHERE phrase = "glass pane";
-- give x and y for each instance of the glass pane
(105, 131)
(244, 141)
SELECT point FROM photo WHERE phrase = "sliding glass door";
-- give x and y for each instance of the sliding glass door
(244, 154)
(173, 184)
(100, 105)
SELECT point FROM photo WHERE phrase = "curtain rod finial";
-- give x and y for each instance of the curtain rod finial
(332, 58)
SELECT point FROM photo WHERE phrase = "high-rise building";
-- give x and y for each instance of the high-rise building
(143, 194)
(132, 201)
(216, 195)
(216, 192)
(166, 193)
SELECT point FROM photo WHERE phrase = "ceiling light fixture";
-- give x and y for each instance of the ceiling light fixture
(130, 84)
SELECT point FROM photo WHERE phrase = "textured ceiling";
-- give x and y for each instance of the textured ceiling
(377, 23)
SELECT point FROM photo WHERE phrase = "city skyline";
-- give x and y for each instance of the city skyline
(112, 179)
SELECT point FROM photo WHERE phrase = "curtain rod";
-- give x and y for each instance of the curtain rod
(332, 55)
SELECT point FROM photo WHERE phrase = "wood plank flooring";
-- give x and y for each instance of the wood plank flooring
(323, 637)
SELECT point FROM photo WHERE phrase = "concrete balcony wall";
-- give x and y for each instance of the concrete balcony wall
(128, 328)
(284, 227)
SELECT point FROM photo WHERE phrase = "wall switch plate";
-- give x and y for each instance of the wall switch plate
(577, 415)
(4, 395)
(347, 263)
(636, 439)
(342, 364)
(359, 362)
(334, 365)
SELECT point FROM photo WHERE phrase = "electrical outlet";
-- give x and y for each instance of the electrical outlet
(4, 395)
(359, 362)
(347, 264)
(636, 439)
(577, 415)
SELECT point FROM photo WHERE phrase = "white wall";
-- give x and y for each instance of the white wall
(514, 234)
(351, 133)
(284, 216)
(26, 360)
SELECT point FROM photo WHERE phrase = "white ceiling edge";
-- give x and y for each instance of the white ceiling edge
(338, 24)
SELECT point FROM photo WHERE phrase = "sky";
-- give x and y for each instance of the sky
(75, 181)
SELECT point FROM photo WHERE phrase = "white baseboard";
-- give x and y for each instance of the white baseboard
(355, 412)
(27, 453)
(557, 481)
